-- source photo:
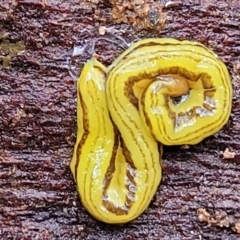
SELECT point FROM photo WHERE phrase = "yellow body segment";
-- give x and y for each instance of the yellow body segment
(158, 90)
(109, 181)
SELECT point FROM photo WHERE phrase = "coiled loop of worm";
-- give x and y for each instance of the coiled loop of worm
(158, 90)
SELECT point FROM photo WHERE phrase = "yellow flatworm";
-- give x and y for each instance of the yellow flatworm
(159, 91)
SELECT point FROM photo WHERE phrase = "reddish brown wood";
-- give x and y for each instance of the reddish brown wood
(38, 199)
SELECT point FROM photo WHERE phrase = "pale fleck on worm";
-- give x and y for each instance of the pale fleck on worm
(159, 91)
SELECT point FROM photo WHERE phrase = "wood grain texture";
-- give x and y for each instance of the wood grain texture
(38, 125)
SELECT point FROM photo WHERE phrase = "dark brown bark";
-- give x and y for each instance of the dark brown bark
(38, 199)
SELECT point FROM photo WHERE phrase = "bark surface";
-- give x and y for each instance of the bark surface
(38, 199)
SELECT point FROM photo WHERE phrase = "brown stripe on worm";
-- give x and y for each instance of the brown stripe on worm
(85, 125)
(153, 44)
(176, 118)
(85, 133)
(131, 132)
(131, 169)
(182, 70)
(131, 173)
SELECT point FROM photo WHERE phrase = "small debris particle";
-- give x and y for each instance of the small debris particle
(203, 215)
(185, 146)
(144, 15)
(102, 30)
(237, 226)
(153, 16)
(228, 154)
(219, 218)
(173, 3)
(95, 55)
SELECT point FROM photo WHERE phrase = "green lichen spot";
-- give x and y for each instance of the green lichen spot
(9, 50)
